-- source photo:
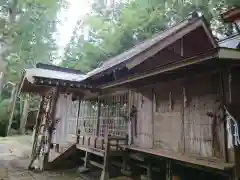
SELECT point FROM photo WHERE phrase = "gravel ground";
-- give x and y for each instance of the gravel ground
(15, 152)
(14, 159)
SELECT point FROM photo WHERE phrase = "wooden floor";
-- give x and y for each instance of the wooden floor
(215, 164)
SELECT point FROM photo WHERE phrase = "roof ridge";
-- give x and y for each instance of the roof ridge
(58, 68)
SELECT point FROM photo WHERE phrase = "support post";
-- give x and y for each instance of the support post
(98, 116)
(148, 176)
(84, 168)
(125, 171)
(168, 170)
(105, 171)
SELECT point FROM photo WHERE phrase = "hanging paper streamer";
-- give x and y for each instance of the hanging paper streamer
(232, 128)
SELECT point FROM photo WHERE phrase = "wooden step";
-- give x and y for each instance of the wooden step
(57, 157)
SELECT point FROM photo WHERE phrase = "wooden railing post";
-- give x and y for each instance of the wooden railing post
(125, 170)
(105, 171)
(78, 135)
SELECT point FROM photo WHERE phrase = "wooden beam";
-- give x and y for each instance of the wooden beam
(201, 161)
(227, 53)
(94, 163)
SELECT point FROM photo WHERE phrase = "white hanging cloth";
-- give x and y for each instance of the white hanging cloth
(232, 128)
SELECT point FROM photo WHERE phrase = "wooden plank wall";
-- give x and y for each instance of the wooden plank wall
(203, 133)
(175, 116)
(168, 116)
(233, 80)
(142, 100)
(66, 114)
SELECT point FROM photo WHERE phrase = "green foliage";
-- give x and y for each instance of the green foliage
(119, 26)
(27, 30)
(33, 40)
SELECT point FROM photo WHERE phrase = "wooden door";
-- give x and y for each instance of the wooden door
(142, 100)
(168, 115)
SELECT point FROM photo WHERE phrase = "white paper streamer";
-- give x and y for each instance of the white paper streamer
(232, 122)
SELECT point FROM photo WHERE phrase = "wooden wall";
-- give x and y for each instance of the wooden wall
(234, 106)
(167, 116)
(67, 116)
(142, 100)
(182, 116)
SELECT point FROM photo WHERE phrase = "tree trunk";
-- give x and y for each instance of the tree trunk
(12, 107)
(24, 116)
(1, 82)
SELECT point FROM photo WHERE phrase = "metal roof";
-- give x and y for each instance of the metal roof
(231, 42)
(51, 74)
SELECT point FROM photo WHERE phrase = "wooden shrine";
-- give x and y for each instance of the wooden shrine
(167, 108)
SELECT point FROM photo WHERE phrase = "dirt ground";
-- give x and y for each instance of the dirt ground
(15, 155)
(15, 152)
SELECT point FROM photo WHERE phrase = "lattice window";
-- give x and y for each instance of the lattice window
(114, 114)
(88, 117)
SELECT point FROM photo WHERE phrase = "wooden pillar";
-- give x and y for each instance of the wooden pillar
(168, 170)
(78, 114)
(106, 161)
(125, 170)
(148, 176)
(98, 116)
(55, 94)
(224, 100)
(84, 168)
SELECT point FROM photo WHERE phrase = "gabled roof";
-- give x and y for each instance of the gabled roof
(164, 38)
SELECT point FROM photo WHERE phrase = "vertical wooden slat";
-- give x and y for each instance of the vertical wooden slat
(78, 114)
(153, 113)
(98, 117)
(223, 74)
(182, 128)
(106, 161)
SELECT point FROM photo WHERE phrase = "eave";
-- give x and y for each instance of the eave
(214, 54)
